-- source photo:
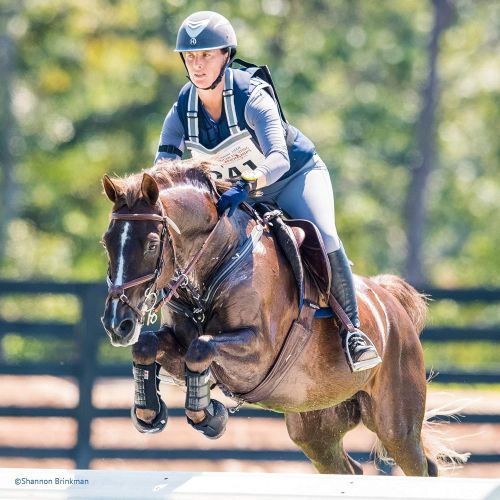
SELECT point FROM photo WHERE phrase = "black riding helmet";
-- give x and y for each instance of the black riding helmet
(207, 30)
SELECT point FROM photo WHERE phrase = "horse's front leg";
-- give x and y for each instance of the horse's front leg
(207, 415)
(149, 412)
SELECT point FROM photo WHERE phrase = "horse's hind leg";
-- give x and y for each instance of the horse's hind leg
(395, 412)
(319, 434)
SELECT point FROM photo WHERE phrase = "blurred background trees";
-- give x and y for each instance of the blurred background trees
(84, 88)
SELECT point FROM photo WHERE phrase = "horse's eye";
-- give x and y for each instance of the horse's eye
(152, 246)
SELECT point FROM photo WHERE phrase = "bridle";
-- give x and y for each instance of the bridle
(118, 291)
(180, 276)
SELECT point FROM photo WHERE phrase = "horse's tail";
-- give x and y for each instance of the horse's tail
(436, 443)
(414, 303)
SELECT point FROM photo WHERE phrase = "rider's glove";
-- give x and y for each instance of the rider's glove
(233, 197)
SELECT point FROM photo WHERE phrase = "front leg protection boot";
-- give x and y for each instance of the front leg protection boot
(147, 397)
(213, 425)
(198, 389)
(157, 425)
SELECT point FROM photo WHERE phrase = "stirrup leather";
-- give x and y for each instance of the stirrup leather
(364, 364)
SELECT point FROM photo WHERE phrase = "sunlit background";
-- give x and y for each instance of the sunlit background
(84, 89)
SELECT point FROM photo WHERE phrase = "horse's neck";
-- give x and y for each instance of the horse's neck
(193, 235)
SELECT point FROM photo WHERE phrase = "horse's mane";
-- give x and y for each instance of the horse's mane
(169, 173)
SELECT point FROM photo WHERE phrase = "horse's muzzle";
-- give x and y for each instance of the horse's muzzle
(120, 323)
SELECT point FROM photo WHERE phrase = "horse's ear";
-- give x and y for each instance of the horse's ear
(149, 188)
(112, 189)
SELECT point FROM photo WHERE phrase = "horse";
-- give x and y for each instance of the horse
(165, 234)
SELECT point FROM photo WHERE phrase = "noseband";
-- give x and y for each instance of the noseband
(180, 276)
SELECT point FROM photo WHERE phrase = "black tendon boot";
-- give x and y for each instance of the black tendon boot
(360, 352)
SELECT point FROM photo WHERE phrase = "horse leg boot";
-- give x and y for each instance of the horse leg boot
(205, 415)
(149, 412)
(360, 352)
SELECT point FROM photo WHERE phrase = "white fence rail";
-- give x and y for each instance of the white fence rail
(67, 484)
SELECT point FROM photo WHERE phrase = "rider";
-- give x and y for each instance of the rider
(226, 115)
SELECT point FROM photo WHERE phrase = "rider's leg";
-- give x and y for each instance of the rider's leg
(310, 196)
(361, 353)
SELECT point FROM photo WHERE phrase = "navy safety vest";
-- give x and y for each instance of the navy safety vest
(300, 148)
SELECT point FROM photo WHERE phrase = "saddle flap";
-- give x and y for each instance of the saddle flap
(313, 252)
(287, 240)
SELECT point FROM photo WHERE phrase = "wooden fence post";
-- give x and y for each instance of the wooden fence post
(89, 332)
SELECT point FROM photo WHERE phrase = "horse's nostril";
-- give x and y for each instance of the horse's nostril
(126, 326)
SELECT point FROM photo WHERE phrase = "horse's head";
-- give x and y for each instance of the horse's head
(145, 247)
(134, 242)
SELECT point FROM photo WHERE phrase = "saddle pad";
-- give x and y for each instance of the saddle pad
(323, 313)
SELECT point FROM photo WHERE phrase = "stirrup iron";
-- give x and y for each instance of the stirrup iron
(363, 364)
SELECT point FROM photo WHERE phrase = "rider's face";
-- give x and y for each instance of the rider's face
(204, 66)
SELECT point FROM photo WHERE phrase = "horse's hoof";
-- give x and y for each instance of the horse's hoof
(157, 425)
(214, 423)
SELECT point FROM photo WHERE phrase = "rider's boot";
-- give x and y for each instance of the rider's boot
(360, 352)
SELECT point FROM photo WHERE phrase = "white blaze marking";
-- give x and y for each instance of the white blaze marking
(121, 267)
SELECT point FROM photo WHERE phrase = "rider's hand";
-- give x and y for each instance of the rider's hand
(233, 197)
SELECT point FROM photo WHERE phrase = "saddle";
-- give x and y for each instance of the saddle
(302, 245)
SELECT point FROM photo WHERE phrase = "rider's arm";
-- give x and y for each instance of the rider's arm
(262, 115)
(171, 145)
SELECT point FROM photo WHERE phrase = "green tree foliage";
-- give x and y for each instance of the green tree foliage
(92, 82)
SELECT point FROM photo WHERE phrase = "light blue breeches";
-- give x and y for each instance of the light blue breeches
(307, 194)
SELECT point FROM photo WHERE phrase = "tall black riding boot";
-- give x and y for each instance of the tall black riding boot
(360, 352)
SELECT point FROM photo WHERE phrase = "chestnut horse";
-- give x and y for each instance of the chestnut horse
(160, 220)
